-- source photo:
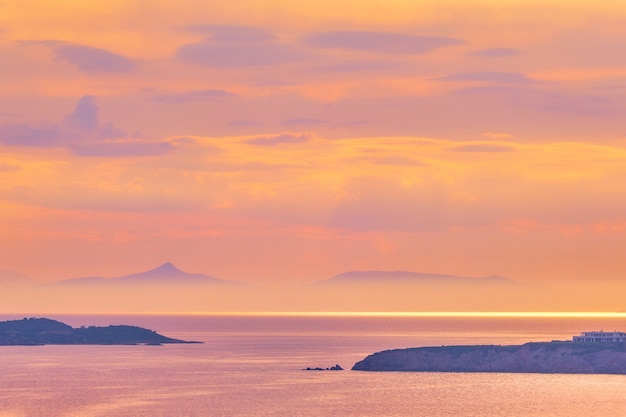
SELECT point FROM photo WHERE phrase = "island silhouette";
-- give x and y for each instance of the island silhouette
(44, 331)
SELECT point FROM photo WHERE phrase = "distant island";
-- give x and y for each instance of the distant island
(407, 277)
(567, 357)
(43, 331)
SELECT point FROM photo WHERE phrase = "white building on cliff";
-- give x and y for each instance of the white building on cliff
(601, 337)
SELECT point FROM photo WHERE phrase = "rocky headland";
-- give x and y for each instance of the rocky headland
(535, 357)
(42, 331)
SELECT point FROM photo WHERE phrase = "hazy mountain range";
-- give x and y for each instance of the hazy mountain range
(163, 275)
(10, 278)
(170, 289)
(168, 273)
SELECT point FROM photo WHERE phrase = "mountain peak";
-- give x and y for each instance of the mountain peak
(166, 273)
(9, 273)
(167, 267)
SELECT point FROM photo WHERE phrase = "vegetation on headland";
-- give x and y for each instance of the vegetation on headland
(43, 331)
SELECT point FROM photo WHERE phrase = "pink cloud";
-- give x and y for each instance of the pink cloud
(238, 50)
(87, 58)
(83, 133)
(379, 42)
(282, 138)
(192, 96)
(233, 33)
(496, 53)
(484, 147)
(90, 59)
(490, 77)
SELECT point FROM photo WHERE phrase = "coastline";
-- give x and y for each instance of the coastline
(556, 357)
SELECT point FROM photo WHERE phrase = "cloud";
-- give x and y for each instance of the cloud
(9, 165)
(85, 115)
(217, 53)
(244, 123)
(484, 147)
(495, 90)
(360, 66)
(86, 58)
(542, 101)
(490, 77)
(113, 149)
(184, 140)
(252, 166)
(288, 137)
(90, 59)
(191, 96)
(24, 134)
(82, 133)
(379, 42)
(496, 52)
(373, 203)
(297, 121)
(496, 135)
(234, 33)
(9, 114)
(394, 160)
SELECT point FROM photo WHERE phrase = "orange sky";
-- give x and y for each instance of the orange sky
(280, 142)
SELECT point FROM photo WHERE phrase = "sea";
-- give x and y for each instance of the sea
(252, 365)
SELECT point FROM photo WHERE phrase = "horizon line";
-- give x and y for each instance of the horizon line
(408, 314)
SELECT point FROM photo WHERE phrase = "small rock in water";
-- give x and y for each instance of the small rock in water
(332, 368)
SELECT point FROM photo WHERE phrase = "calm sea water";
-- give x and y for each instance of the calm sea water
(252, 366)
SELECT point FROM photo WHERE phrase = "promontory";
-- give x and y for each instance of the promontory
(536, 357)
(42, 331)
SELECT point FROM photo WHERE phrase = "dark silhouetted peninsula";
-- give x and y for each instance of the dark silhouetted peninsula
(42, 331)
(536, 357)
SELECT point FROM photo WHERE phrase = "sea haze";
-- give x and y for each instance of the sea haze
(252, 366)
(168, 288)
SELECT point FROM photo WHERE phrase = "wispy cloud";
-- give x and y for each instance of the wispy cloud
(233, 33)
(237, 46)
(484, 147)
(496, 52)
(490, 77)
(244, 123)
(191, 96)
(87, 58)
(207, 54)
(9, 165)
(25, 134)
(125, 148)
(282, 138)
(299, 121)
(496, 135)
(394, 160)
(379, 42)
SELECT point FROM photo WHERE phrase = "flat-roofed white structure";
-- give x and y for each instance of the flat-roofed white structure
(601, 337)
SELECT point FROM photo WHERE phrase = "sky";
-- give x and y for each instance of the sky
(279, 143)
